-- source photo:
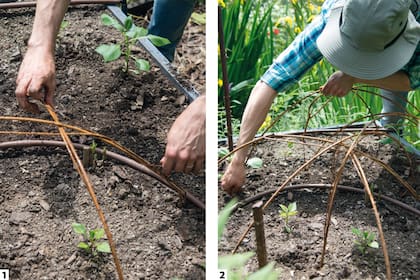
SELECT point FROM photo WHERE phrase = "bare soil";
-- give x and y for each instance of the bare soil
(297, 255)
(157, 236)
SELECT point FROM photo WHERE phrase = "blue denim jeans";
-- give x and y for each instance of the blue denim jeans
(395, 101)
(169, 18)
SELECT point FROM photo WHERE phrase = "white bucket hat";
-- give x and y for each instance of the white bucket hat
(370, 39)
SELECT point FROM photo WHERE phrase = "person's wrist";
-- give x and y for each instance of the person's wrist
(40, 47)
(238, 161)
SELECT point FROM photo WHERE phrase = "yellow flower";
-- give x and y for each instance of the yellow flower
(311, 7)
(266, 122)
(220, 82)
(221, 3)
(288, 20)
(242, 2)
(297, 30)
(294, 2)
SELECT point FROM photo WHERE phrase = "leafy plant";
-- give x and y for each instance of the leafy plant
(286, 212)
(235, 263)
(254, 162)
(365, 240)
(131, 34)
(92, 239)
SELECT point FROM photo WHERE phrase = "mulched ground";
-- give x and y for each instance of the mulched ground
(157, 236)
(297, 254)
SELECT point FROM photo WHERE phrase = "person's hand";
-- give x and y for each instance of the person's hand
(36, 79)
(185, 150)
(234, 177)
(339, 84)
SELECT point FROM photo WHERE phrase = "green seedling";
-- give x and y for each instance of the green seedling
(286, 212)
(254, 162)
(131, 34)
(364, 240)
(93, 240)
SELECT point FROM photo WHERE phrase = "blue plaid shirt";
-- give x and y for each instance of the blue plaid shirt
(303, 53)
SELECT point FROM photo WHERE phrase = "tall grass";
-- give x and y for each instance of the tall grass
(245, 27)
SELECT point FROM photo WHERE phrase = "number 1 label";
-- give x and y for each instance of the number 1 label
(4, 274)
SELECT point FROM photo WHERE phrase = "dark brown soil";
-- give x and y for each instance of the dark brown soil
(156, 235)
(297, 254)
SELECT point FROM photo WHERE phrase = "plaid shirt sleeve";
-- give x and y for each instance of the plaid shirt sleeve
(301, 55)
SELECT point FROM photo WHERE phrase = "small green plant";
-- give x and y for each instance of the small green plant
(131, 34)
(93, 239)
(286, 212)
(254, 162)
(364, 240)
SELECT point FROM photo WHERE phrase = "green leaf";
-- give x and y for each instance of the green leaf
(64, 24)
(78, 228)
(128, 23)
(136, 32)
(91, 234)
(198, 18)
(284, 208)
(224, 216)
(142, 64)
(103, 247)
(109, 52)
(83, 245)
(254, 162)
(158, 41)
(222, 152)
(99, 233)
(240, 86)
(234, 261)
(266, 273)
(356, 231)
(374, 244)
(110, 21)
(292, 207)
(385, 141)
(292, 213)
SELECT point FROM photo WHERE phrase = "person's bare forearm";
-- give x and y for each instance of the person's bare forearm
(398, 81)
(256, 110)
(48, 17)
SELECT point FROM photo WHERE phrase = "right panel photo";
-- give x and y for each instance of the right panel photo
(318, 139)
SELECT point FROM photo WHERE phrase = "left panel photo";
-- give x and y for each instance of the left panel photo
(102, 143)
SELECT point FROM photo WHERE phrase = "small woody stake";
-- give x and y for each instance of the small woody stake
(259, 233)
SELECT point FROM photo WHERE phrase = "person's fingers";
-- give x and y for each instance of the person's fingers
(22, 98)
(189, 166)
(182, 159)
(49, 94)
(167, 165)
(36, 90)
(199, 163)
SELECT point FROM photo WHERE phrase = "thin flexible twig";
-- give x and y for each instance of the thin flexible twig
(258, 196)
(107, 140)
(365, 182)
(81, 170)
(279, 189)
(125, 160)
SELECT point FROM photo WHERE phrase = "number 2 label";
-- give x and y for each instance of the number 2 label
(222, 274)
